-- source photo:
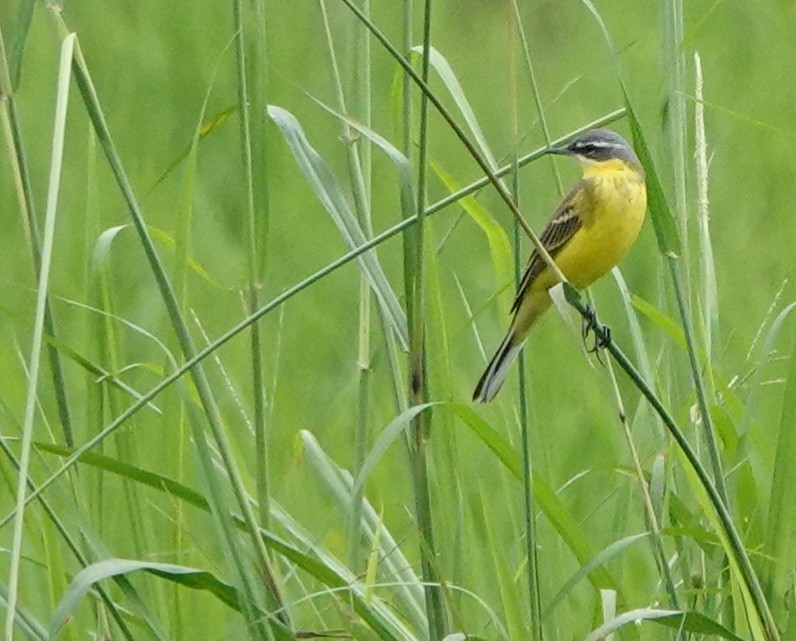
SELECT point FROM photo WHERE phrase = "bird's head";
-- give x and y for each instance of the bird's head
(599, 146)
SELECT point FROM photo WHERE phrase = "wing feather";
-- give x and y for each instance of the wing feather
(562, 226)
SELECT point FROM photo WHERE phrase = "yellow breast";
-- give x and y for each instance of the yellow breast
(612, 210)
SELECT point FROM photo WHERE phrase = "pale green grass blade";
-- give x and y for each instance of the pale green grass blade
(504, 567)
(392, 562)
(600, 559)
(387, 437)
(396, 156)
(452, 84)
(780, 539)
(662, 321)
(27, 624)
(636, 335)
(708, 291)
(110, 568)
(332, 198)
(385, 623)
(24, 20)
(499, 245)
(37, 342)
(760, 368)
(255, 594)
(321, 565)
(676, 619)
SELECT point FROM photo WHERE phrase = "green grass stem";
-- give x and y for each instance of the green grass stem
(37, 341)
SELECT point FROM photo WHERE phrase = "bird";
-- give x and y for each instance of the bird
(590, 232)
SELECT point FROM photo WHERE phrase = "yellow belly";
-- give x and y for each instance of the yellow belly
(618, 208)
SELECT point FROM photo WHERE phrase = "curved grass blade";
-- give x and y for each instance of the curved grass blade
(375, 613)
(396, 156)
(499, 245)
(664, 322)
(391, 561)
(569, 530)
(186, 576)
(330, 194)
(677, 619)
(615, 549)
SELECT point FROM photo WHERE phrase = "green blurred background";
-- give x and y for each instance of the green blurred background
(154, 62)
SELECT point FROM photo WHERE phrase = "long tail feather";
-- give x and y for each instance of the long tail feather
(498, 367)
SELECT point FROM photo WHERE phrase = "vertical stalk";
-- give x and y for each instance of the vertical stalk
(527, 467)
(250, 48)
(709, 304)
(363, 94)
(673, 36)
(13, 134)
(534, 594)
(418, 386)
(37, 341)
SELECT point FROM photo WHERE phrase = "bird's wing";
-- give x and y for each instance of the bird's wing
(562, 226)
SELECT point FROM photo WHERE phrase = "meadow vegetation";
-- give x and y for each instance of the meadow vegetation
(255, 255)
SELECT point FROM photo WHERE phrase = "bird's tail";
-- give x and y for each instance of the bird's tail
(495, 372)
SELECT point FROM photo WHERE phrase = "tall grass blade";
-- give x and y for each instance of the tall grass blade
(211, 412)
(331, 196)
(780, 539)
(252, 84)
(451, 82)
(37, 341)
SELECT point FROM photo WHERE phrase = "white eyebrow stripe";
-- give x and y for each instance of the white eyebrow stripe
(599, 143)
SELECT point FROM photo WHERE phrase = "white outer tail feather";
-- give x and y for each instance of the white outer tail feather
(498, 368)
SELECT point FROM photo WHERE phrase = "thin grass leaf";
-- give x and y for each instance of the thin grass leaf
(709, 291)
(101, 374)
(636, 335)
(398, 158)
(662, 219)
(208, 127)
(387, 437)
(394, 566)
(665, 323)
(505, 568)
(780, 539)
(37, 341)
(499, 246)
(451, 82)
(185, 576)
(331, 196)
(26, 623)
(676, 619)
(600, 559)
(323, 566)
(24, 20)
(766, 352)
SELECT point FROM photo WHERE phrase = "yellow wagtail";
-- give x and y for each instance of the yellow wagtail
(590, 232)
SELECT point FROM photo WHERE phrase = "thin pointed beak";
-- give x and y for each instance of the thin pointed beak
(563, 151)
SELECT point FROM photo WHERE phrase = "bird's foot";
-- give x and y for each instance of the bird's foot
(602, 333)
